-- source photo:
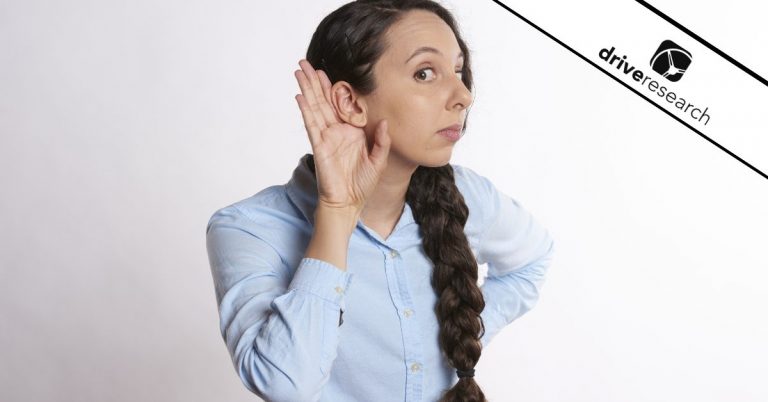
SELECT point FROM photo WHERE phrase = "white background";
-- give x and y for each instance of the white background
(125, 125)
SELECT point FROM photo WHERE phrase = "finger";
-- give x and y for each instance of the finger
(311, 74)
(320, 100)
(310, 102)
(309, 121)
(325, 82)
(381, 145)
(313, 92)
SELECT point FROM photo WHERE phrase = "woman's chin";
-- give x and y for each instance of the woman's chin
(438, 157)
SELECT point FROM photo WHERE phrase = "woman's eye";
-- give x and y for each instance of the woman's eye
(420, 73)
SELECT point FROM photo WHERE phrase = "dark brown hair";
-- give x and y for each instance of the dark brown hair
(346, 45)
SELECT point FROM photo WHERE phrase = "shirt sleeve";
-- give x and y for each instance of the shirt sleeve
(282, 332)
(518, 251)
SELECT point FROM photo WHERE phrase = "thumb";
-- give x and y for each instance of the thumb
(382, 141)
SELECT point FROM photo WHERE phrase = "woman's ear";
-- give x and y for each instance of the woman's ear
(350, 108)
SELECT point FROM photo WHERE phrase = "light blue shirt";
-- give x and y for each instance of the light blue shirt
(280, 313)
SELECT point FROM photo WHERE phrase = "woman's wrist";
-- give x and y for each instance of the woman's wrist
(330, 238)
(336, 219)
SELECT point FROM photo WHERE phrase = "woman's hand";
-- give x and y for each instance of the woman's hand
(346, 172)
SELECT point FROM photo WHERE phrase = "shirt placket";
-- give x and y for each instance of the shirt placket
(398, 287)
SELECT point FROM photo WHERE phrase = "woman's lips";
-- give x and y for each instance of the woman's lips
(451, 134)
(455, 127)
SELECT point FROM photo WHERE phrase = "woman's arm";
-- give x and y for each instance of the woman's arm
(281, 331)
(518, 251)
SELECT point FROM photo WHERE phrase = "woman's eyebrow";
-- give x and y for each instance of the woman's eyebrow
(428, 49)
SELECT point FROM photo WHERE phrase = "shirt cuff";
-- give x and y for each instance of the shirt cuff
(322, 279)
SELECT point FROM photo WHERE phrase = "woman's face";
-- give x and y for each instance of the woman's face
(419, 92)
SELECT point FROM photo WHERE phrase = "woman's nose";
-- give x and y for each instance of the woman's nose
(463, 96)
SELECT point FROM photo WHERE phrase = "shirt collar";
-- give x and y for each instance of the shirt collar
(302, 191)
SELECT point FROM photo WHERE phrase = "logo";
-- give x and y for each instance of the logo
(667, 62)
(671, 60)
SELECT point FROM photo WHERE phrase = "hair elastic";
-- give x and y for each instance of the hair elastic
(465, 373)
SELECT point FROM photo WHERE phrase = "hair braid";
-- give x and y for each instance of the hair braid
(441, 213)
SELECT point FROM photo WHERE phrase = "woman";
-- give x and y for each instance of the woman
(358, 279)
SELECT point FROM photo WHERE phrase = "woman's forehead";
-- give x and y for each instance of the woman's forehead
(421, 32)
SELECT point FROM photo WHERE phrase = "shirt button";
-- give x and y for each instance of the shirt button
(393, 253)
(407, 312)
(415, 367)
(339, 290)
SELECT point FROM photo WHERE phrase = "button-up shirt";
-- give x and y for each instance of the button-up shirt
(301, 329)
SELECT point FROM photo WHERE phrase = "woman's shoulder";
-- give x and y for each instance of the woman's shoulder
(474, 186)
(267, 207)
(479, 194)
